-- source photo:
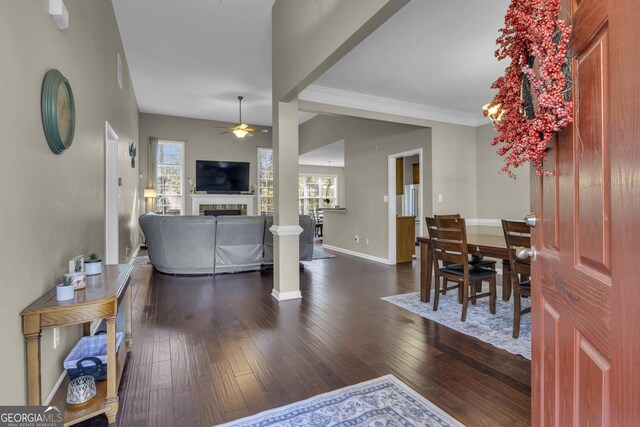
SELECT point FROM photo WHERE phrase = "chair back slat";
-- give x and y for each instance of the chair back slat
(448, 216)
(448, 239)
(448, 257)
(519, 241)
(517, 235)
(448, 246)
(445, 234)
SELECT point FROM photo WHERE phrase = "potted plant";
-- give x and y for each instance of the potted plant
(65, 290)
(93, 265)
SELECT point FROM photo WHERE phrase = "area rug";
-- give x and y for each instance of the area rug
(322, 255)
(385, 401)
(495, 329)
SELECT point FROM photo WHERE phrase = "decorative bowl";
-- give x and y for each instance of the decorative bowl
(81, 390)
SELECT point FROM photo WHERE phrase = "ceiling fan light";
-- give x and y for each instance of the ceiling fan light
(240, 133)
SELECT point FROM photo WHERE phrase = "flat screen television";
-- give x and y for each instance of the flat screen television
(214, 176)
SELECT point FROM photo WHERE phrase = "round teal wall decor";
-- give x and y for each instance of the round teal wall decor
(58, 111)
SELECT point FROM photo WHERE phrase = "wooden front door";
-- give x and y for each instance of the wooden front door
(586, 279)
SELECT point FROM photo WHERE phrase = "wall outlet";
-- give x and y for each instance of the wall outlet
(56, 337)
(357, 239)
(385, 199)
(366, 241)
(439, 198)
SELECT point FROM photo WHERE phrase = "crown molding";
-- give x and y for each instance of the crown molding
(343, 98)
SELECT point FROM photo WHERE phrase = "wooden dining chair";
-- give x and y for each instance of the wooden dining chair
(448, 239)
(518, 235)
(474, 260)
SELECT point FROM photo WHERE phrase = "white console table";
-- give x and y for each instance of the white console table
(221, 199)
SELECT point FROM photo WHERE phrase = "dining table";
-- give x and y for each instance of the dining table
(479, 244)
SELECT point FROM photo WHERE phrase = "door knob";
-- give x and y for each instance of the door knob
(523, 253)
(531, 220)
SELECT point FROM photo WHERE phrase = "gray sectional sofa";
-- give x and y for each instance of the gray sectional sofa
(212, 245)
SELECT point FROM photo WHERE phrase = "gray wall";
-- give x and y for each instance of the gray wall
(454, 170)
(54, 204)
(498, 195)
(368, 143)
(202, 142)
(459, 163)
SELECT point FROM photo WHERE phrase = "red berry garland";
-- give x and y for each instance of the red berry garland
(532, 31)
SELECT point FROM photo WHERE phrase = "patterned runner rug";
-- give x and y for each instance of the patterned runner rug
(385, 401)
(493, 329)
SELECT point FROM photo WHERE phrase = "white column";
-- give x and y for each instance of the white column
(286, 228)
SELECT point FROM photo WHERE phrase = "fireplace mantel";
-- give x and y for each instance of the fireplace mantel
(221, 199)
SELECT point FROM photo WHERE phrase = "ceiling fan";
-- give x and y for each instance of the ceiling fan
(241, 129)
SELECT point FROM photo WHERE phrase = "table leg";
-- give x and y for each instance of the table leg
(112, 370)
(426, 265)
(506, 280)
(32, 334)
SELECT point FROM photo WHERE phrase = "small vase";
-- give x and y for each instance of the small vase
(92, 267)
(64, 293)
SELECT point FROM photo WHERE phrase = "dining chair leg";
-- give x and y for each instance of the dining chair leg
(436, 292)
(474, 289)
(459, 294)
(516, 314)
(465, 300)
(492, 294)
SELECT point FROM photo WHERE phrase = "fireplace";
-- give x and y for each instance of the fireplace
(201, 203)
(218, 212)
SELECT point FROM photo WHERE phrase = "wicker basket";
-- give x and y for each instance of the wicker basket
(89, 356)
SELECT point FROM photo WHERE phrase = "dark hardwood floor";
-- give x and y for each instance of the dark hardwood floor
(213, 349)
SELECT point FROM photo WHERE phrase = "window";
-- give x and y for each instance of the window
(170, 178)
(265, 181)
(316, 192)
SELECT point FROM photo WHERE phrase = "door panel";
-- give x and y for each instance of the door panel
(550, 362)
(593, 201)
(573, 267)
(585, 334)
(592, 384)
(550, 199)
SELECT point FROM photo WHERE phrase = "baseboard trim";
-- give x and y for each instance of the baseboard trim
(56, 386)
(484, 222)
(358, 254)
(134, 254)
(284, 296)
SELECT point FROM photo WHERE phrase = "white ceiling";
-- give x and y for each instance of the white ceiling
(432, 52)
(192, 58)
(331, 155)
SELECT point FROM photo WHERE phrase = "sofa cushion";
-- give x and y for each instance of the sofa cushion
(239, 243)
(306, 239)
(180, 244)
